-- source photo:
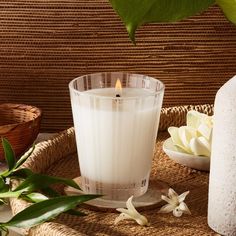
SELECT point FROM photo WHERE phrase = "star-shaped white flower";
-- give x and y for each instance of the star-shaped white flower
(175, 203)
(131, 214)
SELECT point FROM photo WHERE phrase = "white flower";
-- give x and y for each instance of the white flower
(131, 214)
(175, 203)
(195, 138)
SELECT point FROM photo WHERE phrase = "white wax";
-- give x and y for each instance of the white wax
(116, 137)
(124, 93)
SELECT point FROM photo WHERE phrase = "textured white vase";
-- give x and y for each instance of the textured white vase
(222, 187)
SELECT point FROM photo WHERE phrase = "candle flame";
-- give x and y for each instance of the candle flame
(118, 86)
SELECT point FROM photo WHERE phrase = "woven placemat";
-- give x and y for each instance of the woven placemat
(58, 157)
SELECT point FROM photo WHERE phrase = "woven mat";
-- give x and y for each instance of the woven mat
(58, 157)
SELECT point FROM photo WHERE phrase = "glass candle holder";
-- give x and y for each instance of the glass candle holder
(116, 117)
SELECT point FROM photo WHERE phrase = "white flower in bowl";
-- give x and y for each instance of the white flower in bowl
(195, 137)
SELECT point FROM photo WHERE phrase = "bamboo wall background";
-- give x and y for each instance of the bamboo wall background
(46, 43)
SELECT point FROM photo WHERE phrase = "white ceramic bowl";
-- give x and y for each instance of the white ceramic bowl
(195, 162)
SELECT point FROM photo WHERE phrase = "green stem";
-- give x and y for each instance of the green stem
(3, 229)
(10, 194)
(5, 173)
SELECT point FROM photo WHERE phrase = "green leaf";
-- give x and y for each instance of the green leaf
(9, 154)
(22, 173)
(24, 157)
(229, 9)
(138, 12)
(38, 197)
(10, 194)
(46, 210)
(75, 213)
(3, 186)
(40, 181)
(4, 201)
(50, 192)
(4, 229)
(34, 197)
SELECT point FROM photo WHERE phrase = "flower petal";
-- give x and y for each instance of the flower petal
(123, 210)
(172, 201)
(130, 206)
(172, 193)
(174, 133)
(198, 147)
(208, 120)
(166, 199)
(142, 220)
(131, 213)
(177, 212)
(183, 207)
(122, 216)
(206, 144)
(193, 119)
(205, 131)
(185, 134)
(182, 196)
(173, 197)
(167, 208)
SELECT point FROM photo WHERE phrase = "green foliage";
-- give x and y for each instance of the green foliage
(38, 181)
(43, 207)
(9, 154)
(229, 9)
(135, 13)
(45, 210)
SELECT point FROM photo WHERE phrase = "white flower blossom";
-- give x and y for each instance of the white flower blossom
(131, 214)
(175, 203)
(195, 138)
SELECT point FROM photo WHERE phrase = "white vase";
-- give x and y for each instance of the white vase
(222, 187)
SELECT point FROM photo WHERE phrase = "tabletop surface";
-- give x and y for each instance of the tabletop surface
(62, 153)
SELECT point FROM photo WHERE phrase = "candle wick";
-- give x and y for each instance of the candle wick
(117, 95)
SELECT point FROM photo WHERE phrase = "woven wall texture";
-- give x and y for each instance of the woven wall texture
(46, 43)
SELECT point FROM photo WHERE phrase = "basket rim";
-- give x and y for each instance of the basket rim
(22, 107)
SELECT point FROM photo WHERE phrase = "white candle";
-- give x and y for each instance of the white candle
(115, 139)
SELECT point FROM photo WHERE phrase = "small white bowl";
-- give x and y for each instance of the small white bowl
(195, 162)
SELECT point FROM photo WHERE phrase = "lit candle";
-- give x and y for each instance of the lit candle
(116, 130)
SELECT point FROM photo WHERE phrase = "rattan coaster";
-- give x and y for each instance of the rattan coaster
(150, 198)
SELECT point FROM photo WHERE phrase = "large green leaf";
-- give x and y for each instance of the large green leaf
(137, 12)
(40, 181)
(229, 9)
(39, 197)
(46, 210)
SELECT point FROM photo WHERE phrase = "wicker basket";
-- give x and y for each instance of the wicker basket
(19, 124)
